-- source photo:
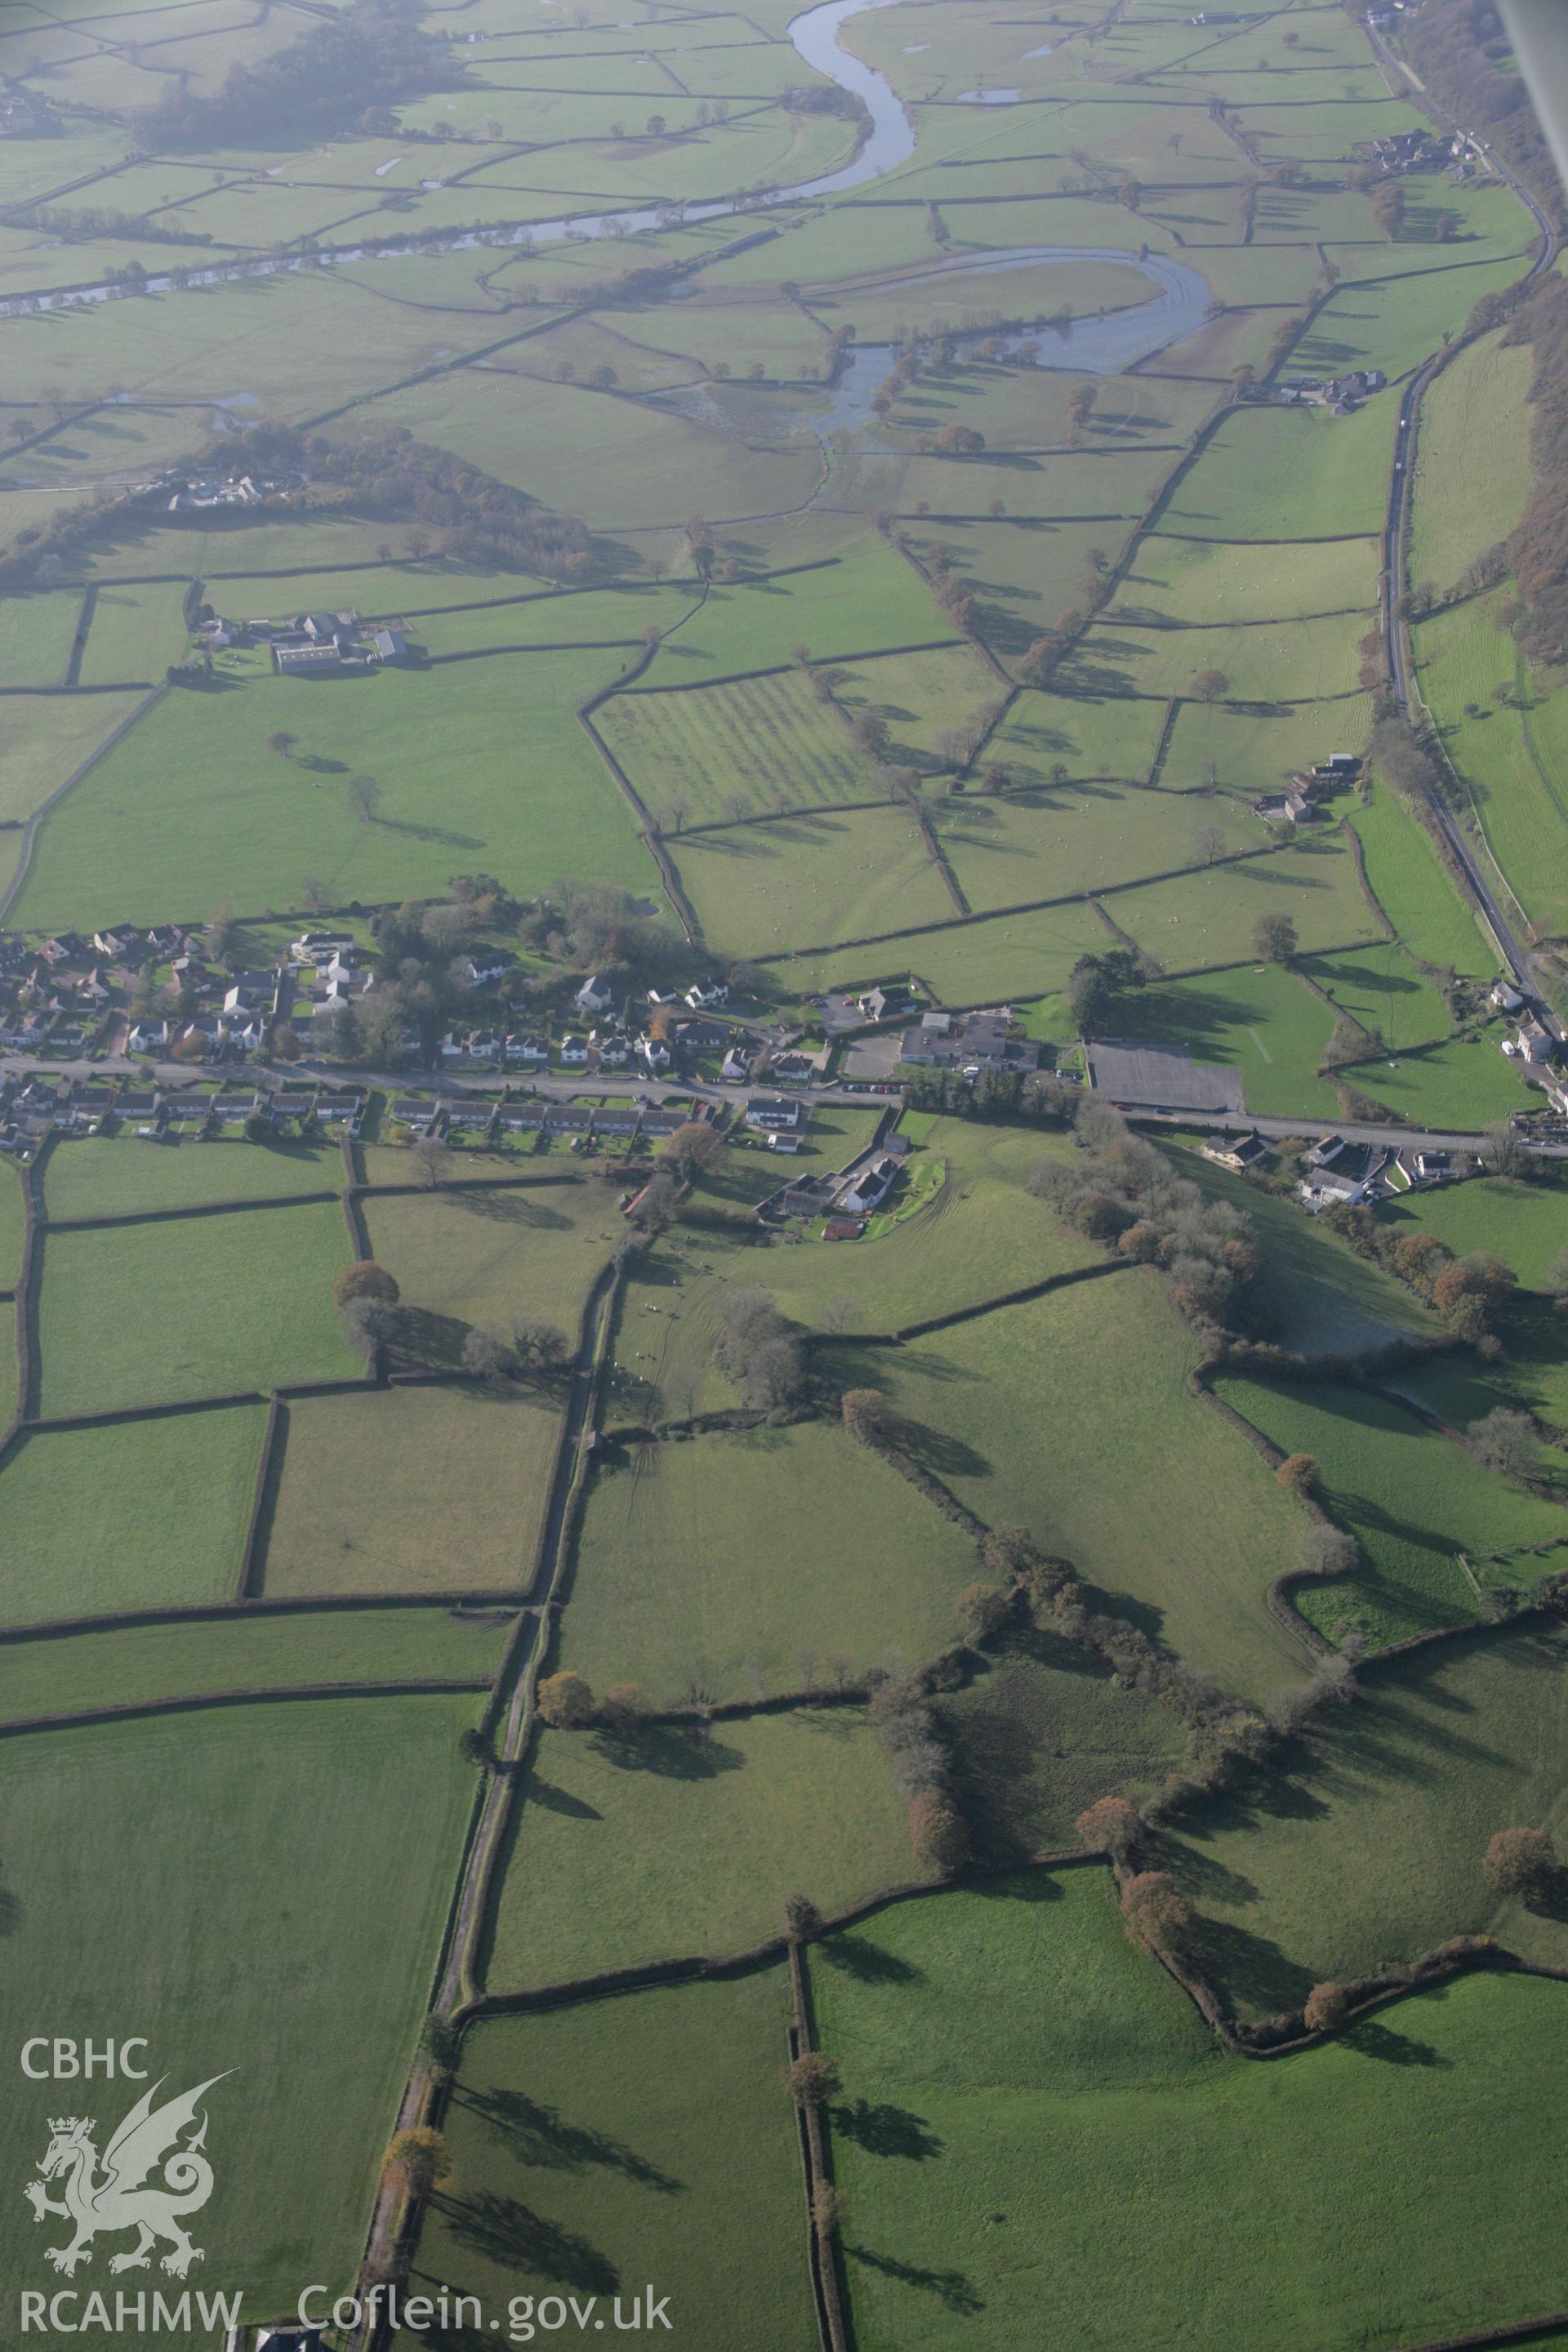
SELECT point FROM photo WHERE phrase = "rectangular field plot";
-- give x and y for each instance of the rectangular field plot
(1007, 956)
(805, 881)
(135, 632)
(867, 599)
(673, 1841)
(919, 697)
(1464, 1082)
(471, 1255)
(1022, 573)
(1109, 483)
(1288, 474)
(1010, 1404)
(670, 1585)
(1381, 988)
(757, 742)
(1041, 845)
(411, 1490)
(1249, 750)
(1005, 2030)
(1270, 662)
(1195, 580)
(124, 1175)
(134, 1515)
(36, 634)
(144, 1666)
(1051, 738)
(1414, 1501)
(1472, 470)
(304, 1816)
(482, 764)
(12, 1228)
(1207, 918)
(148, 1313)
(586, 2152)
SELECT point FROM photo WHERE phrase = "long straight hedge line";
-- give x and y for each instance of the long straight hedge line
(264, 1695)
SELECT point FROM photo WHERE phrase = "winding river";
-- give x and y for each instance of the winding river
(1179, 301)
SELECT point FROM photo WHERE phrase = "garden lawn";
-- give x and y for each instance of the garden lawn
(1417, 1505)
(1525, 1224)
(1071, 1416)
(1472, 471)
(410, 1490)
(1196, 581)
(983, 2032)
(589, 2154)
(703, 1563)
(124, 1175)
(678, 1840)
(743, 747)
(1288, 474)
(1443, 1750)
(132, 1514)
(134, 633)
(44, 738)
(476, 1255)
(1207, 918)
(1414, 890)
(215, 1920)
(1010, 851)
(1255, 1018)
(207, 1306)
(809, 880)
(141, 1665)
(865, 599)
(481, 764)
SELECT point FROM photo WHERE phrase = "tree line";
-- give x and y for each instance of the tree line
(374, 54)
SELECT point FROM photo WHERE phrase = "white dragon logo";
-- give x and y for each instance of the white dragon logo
(146, 2140)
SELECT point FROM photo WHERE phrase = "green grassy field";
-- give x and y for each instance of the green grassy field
(36, 634)
(321, 1821)
(134, 633)
(1255, 1018)
(123, 1174)
(1276, 661)
(481, 764)
(672, 1587)
(142, 1665)
(688, 1842)
(983, 2033)
(917, 696)
(1098, 737)
(177, 1492)
(808, 880)
(414, 1490)
(1417, 1505)
(1010, 956)
(238, 1302)
(1509, 758)
(1194, 581)
(1288, 473)
(751, 746)
(588, 2155)
(1382, 990)
(1014, 1413)
(1465, 1083)
(1242, 749)
(44, 739)
(1525, 1224)
(11, 1229)
(1396, 322)
(1477, 407)
(479, 1256)
(867, 598)
(1206, 917)
(1413, 891)
(1008, 852)
(1037, 1737)
(1407, 1838)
